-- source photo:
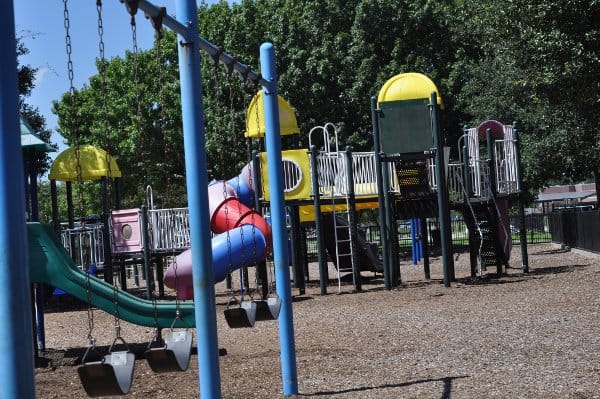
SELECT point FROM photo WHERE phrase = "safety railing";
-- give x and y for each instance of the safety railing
(85, 244)
(332, 174)
(455, 182)
(507, 173)
(169, 229)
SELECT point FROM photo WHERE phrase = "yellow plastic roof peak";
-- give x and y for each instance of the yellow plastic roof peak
(408, 86)
(255, 113)
(92, 161)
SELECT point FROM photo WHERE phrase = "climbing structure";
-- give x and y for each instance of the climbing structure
(481, 187)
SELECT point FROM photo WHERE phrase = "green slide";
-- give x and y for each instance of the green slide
(51, 264)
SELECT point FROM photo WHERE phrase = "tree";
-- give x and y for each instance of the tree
(26, 75)
(538, 63)
(504, 59)
(147, 146)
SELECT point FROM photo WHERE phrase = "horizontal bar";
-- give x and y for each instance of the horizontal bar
(152, 11)
(215, 52)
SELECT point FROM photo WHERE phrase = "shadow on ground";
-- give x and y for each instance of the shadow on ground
(446, 393)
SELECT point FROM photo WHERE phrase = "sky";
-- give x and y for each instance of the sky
(41, 26)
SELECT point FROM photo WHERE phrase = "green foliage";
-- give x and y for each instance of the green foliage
(538, 63)
(26, 74)
(533, 62)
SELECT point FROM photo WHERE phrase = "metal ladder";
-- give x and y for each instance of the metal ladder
(343, 241)
(332, 174)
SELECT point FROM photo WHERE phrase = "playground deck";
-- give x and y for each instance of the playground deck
(526, 336)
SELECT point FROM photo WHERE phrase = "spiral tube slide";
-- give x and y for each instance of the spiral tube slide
(231, 250)
(243, 235)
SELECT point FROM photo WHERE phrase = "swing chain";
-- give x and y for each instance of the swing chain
(72, 92)
(162, 114)
(131, 6)
(177, 304)
(103, 85)
(157, 21)
(90, 311)
(231, 111)
(138, 94)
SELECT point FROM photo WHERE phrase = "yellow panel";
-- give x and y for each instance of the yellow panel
(287, 118)
(302, 189)
(92, 161)
(408, 86)
(307, 212)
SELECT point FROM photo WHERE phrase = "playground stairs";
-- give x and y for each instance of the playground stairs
(483, 231)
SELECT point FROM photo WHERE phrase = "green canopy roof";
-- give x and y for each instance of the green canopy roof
(31, 140)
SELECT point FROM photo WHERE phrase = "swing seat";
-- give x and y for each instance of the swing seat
(174, 355)
(110, 376)
(241, 316)
(269, 309)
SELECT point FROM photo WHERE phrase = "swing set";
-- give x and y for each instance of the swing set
(112, 373)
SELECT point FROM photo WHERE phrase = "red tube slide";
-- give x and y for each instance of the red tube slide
(227, 213)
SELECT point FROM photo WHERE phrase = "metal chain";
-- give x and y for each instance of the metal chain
(174, 265)
(232, 118)
(76, 140)
(138, 96)
(103, 88)
(73, 113)
(162, 115)
(257, 89)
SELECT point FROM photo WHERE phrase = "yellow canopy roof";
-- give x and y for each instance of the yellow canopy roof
(93, 162)
(408, 86)
(287, 118)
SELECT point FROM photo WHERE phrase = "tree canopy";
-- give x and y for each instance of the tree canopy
(26, 75)
(536, 63)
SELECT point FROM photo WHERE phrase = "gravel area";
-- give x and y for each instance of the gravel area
(520, 336)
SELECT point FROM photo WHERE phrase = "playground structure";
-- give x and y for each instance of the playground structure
(116, 369)
(401, 179)
(404, 175)
(343, 183)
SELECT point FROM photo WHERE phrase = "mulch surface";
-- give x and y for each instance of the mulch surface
(534, 335)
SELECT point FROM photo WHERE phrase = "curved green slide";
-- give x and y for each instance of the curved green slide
(51, 264)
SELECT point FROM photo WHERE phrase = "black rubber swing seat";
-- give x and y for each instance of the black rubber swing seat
(269, 309)
(110, 376)
(241, 316)
(174, 355)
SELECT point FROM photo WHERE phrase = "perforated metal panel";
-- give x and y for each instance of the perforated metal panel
(405, 126)
(413, 178)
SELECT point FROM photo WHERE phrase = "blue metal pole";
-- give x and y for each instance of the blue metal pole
(16, 362)
(282, 272)
(197, 181)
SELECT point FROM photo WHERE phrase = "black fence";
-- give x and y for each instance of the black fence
(537, 227)
(576, 228)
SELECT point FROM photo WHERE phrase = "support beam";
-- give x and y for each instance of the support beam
(197, 180)
(277, 202)
(184, 29)
(16, 362)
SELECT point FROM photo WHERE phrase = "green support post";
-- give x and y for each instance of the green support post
(297, 262)
(425, 241)
(522, 229)
(146, 252)
(321, 257)
(442, 196)
(380, 196)
(391, 231)
(467, 199)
